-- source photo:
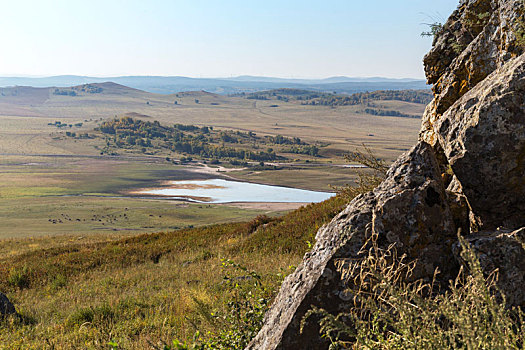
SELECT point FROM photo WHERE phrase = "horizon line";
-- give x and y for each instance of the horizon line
(202, 77)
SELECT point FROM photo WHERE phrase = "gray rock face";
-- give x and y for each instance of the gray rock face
(409, 208)
(483, 138)
(477, 116)
(478, 38)
(6, 307)
(503, 251)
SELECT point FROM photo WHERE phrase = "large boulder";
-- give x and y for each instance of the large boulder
(6, 307)
(471, 125)
(478, 38)
(409, 209)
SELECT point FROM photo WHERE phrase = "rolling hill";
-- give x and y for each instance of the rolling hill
(169, 85)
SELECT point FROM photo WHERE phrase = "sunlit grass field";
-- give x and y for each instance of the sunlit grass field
(146, 289)
(24, 129)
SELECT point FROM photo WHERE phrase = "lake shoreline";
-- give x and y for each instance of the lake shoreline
(222, 191)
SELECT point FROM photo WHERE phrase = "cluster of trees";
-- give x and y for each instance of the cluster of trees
(59, 124)
(206, 150)
(89, 88)
(79, 135)
(310, 150)
(388, 113)
(193, 128)
(127, 126)
(284, 94)
(205, 142)
(364, 98)
(316, 98)
(64, 92)
(283, 140)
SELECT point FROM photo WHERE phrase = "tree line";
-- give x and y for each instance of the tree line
(316, 98)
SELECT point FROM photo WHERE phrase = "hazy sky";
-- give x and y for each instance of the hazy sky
(217, 38)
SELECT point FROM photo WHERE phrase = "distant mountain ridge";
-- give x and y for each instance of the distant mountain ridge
(338, 79)
(174, 84)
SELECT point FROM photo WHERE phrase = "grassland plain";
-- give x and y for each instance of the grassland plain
(47, 178)
(344, 127)
(86, 195)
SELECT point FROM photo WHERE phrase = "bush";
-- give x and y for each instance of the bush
(58, 282)
(519, 32)
(434, 29)
(252, 225)
(101, 315)
(81, 316)
(366, 180)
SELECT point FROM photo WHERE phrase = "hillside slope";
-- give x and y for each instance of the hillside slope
(147, 289)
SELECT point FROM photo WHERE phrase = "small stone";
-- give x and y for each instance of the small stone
(6, 307)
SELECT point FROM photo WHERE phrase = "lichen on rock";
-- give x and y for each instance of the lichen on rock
(479, 37)
(502, 252)
(483, 138)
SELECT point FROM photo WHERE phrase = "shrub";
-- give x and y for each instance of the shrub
(80, 316)
(252, 225)
(519, 32)
(58, 282)
(102, 315)
(434, 29)
(367, 179)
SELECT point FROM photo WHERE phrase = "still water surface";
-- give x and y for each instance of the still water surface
(225, 191)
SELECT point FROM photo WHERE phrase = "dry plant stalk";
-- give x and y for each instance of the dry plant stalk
(390, 313)
(366, 181)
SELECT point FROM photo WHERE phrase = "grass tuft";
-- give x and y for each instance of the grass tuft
(19, 277)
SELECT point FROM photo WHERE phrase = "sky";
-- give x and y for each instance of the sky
(217, 38)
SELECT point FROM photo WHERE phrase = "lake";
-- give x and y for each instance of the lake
(226, 191)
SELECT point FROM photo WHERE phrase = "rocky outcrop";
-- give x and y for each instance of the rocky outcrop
(6, 307)
(409, 208)
(478, 38)
(466, 174)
